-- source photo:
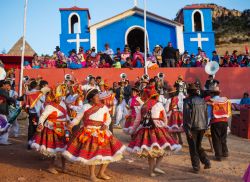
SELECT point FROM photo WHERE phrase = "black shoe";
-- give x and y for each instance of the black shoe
(207, 165)
(225, 155)
(218, 159)
(196, 170)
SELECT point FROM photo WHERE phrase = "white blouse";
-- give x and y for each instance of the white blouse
(97, 116)
(158, 114)
(47, 111)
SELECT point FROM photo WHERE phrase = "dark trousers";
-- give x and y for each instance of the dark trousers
(197, 153)
(219, 138)
(170, 63)
(33, 120)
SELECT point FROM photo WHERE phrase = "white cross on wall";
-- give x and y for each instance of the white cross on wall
(77, 41)
(199, 39)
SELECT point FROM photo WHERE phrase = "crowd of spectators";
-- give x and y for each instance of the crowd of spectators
(164, 57)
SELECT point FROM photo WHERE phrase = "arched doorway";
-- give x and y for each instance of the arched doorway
(135, 38)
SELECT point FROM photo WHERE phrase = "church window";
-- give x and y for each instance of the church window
(74, 24)
(198, 21)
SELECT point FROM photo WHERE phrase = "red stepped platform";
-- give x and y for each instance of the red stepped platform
(244, 130)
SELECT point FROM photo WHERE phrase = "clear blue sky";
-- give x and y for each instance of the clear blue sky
(43, 19)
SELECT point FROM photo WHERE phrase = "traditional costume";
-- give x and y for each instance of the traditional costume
(75, 101)
(150, 136)
(33, 103)
(181, 88)
(50, 136)
(134, 104)
(219, 110)
(60, 58)
(91, 145)
(175, 115)
(74, 61)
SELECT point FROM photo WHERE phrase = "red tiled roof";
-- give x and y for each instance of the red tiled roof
(198, 6)
(75, 8)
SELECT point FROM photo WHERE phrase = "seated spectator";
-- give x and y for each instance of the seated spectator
(118, 53)
(216, 57)
(234, 56)
(245, 100)
(128, 63)
(26, 65)
(193, 60)
(138, 58)
(103, 64)
(243, 62)
(73, 61)
(126, 53)
(187, 64)
(82, 57)
(108, 51)
(185, 57)
(36, 64)
(157, 54)
(234, 64)
(198, 61)
(93, 58)
(61, 61)
(117, 63)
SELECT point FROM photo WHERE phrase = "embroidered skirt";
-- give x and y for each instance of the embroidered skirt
(48, 143)
(93, 149)
(175, 122)
(129, 123)
(152, 142)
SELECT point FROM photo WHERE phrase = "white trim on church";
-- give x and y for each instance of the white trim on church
(202, 20)
(69, 22)
(136, 10)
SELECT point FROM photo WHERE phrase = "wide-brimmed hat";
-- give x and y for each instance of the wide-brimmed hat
(135, 89)
(180, 77)
(91, 93)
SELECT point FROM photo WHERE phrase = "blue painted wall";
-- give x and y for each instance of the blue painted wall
(208, 32)
(65, 35)
(114, 33)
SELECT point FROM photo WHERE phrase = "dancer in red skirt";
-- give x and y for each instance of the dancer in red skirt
(49, 139)
(93, 144)
(150, 136)
(176, 117)
(134, 104)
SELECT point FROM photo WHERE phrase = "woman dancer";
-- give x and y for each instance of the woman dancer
(50, 137)
(134, 103)
(176, 117)
(93, 144)
(150, 136)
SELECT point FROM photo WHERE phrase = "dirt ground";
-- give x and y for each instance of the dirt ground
(19, 164)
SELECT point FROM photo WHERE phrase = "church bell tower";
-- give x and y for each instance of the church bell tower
(198, 29)
(74, 29)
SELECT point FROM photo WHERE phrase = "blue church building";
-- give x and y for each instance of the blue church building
(192, 29)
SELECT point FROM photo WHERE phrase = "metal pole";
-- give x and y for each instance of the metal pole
(23, 49)
(135, 3)
(145, 38)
